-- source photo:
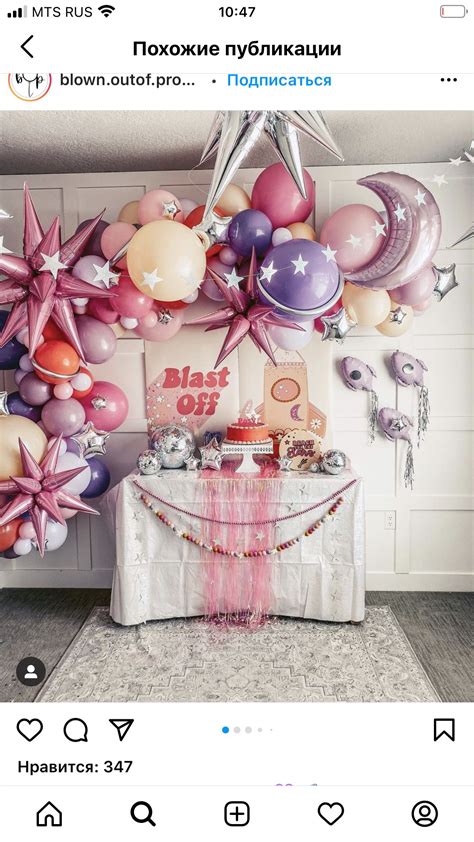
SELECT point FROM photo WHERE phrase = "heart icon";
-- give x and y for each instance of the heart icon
(29, 728)
(331, 813)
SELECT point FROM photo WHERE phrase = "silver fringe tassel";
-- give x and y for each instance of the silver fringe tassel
(373, 415)
(423, 413)
(409, 474)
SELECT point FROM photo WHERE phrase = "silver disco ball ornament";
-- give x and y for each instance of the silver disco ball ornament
(148, 463)
(173, 444)
(334, 462)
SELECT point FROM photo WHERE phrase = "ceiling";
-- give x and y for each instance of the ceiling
(104, 141)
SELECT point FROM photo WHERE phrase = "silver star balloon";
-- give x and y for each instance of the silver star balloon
(99, 402)
(284, 463)
(3, 404)
(91, 440)
(445, 280)
(337, 326)
(211, 455)
(212, 229)
(399, 424)
(192, 463)
(235, 133)
(397, 315)
(468, 235)
(165, 316)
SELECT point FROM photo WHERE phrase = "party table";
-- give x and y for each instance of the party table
(159, 575)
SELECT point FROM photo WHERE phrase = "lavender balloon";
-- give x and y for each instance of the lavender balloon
(34, 391)
(98, 339)
(250, 229)
(359, 376)
(17, 406)
(413, 235)
(66, 417)
(299, 278)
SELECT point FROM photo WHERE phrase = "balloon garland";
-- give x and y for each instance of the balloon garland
(276, 279)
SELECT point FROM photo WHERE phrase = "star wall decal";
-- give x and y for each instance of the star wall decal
(455, 162)
(40, 491)
(440, 180)
(40, 285)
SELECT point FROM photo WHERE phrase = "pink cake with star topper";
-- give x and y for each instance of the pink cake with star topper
(248, 429)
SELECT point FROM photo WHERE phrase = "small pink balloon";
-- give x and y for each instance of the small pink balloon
(106, 406)
(190, 299)
(66, 417)
(101, 309)
(84, 268)
(281, 235)
(22, 335)
(114, 238)
(81, 381)
(422, 306)
(289, 339)
(25, 363)
(19, 376)
(416, 291)
(27, 531)
(228, 256)
(63, 391)
(34, 391)
(276, 194)
(351, 231)
(161, 332)
(129, 301)
(68, 513)
(158, 204)
(128, 323)
(149, 320)
(187, 205)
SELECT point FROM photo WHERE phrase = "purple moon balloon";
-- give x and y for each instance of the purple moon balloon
(297, 278)
(413, 235)
(17, 406)
(93, 246)
(250, 229)
(100, 478)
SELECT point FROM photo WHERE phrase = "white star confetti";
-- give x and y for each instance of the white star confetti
(103, 274)
(455, 162)
(233, 279)
(440, 180)
(400, 213)
(329, 253)
(420, 198)
(300, 265)
(259, 536)
(52, 264)
(151, 279)
(354, 241)
(379, 228)
(267, 273)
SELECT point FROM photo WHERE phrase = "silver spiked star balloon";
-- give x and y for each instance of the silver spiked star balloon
(445, 280)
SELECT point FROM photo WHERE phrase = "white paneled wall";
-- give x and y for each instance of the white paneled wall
(431, 546)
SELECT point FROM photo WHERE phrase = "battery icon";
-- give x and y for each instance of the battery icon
(452, 11)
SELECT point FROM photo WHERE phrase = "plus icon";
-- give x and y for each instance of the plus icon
(237, 813)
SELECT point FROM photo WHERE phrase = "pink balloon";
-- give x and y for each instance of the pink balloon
(84, 268)
(63, 391)
(34, 391)
(149, 320)
(417, 290)
(114, 237)
(66, 417)
(129, 300)
(161, 332)
(228, 256)
(100, 309)
(351, 232)
(98, 339)
(158, 204)
(106, 406)
(276, 194)
(423, 305)
(187, 205)
(281, 235)
(68, 513)
(27, 530)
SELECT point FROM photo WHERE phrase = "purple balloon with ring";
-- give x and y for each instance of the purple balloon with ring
(298, 278)
(250, 229)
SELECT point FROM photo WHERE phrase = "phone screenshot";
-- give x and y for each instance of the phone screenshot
(236, 415)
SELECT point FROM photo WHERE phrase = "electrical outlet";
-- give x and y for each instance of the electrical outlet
(389, 520)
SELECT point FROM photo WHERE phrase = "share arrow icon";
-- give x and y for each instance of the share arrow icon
(123, 727)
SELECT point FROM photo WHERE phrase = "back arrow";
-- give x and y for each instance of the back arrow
(23, 47)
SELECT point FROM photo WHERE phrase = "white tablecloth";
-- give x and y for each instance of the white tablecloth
(158, 575)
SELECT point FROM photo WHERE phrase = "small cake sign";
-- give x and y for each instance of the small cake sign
(302, 447)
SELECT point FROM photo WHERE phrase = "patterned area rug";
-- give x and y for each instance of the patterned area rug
(285, 660)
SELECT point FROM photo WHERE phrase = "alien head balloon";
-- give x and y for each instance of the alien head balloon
(396, 425)
(359, 376)
(408, 371)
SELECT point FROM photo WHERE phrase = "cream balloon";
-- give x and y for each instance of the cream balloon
(398, 321)
(233, 200)
(166, 260)
(129, 213)
(301, 231)
(368, 307)
(13, 428)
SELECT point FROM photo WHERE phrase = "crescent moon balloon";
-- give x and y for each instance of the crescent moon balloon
(294, 412)
(413, 235)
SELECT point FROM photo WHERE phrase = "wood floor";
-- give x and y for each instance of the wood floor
(44, 622)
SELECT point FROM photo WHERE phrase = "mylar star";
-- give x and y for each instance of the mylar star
(284, 463)
(91, 440)
(170, 209)
(3, 404)
(40, 492)
(445, 280)
(40, 285)
(337, 327)
(105, 275)
(211, 455)
(243, 316)
(165, 316)
(397, 315)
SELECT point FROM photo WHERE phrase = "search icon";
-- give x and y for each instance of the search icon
(142, 812)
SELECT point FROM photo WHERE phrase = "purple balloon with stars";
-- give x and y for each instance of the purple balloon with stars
(250, 229)
(300, 278)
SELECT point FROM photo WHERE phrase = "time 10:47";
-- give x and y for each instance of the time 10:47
(231, 11)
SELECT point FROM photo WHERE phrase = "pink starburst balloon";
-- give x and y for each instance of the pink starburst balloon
(40, 284)
(243, 316)
(40, 492)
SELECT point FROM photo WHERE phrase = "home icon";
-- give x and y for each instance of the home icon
(49, 815)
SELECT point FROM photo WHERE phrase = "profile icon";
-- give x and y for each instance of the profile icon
(424, 813)
(30, 674)
(30, 671)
